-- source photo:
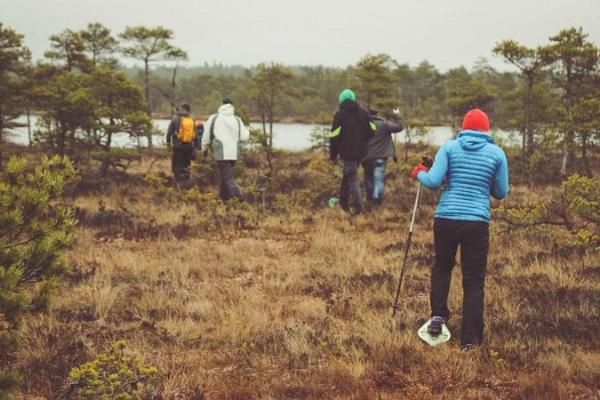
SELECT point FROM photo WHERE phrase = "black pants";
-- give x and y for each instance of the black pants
(181, 160)
(227, 187)
(473, 238)
(350, 187)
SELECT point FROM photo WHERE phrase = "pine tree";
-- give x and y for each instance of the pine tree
(34, 232)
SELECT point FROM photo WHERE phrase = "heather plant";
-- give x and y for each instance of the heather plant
(111, 375)
(575, 207)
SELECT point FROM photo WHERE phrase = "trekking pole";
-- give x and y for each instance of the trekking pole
(408, 242)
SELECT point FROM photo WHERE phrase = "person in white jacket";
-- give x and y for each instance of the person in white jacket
(224, 132)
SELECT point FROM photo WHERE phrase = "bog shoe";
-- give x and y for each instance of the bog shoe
(435, 326)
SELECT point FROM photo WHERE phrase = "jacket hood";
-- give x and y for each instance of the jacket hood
(349, 105)
(226, 109)
(474, 140)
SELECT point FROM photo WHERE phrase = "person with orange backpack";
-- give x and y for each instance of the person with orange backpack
(182, 137)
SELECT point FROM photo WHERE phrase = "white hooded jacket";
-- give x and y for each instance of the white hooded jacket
(224, 130)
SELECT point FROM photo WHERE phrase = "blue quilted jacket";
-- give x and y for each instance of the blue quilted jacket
(471, 168)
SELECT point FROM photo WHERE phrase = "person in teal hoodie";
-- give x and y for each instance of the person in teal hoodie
(470, 169)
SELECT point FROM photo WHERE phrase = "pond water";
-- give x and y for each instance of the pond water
(286, 136)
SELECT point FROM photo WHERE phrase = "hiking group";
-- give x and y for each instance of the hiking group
(470, 168)
(225, 132)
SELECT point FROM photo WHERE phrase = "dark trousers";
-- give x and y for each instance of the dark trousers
(227, 186)
(473, 238)
(350, 187)
(374, 179)
(181, 159)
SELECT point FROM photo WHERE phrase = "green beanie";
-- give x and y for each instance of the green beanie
(347, 94)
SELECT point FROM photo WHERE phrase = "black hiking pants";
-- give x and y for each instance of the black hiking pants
(350, 187)
(228, 187)
(181, 159)
(473, 238)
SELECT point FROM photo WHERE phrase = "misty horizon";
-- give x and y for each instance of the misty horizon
(331, 34)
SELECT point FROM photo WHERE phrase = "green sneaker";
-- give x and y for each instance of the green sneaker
(332, 202)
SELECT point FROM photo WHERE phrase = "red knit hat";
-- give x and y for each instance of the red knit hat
(476, 120)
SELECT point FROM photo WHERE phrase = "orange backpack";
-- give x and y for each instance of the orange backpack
(187, 130)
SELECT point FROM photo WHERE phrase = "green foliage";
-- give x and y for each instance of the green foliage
(150, 44)
(582, 195)
(119, 105)
(118, 159)
(99, 44)
(413, 130)
(13, 71)
(34, 232)
(68, 47)
(88, 109)
(268, 84)
(475, 94)
(576, 208)
(375, 79)
(68, 105)
(162, 191)
(574, 63)
(112, 375)
(319, 139)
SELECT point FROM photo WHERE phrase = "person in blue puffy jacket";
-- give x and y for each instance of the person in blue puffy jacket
(470, 168)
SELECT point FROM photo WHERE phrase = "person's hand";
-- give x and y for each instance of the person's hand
(418, 168)
(194, 154)
(396, 111)
(205, 153)
(395, 158)
(424, 166)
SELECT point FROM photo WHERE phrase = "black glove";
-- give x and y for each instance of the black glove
(427, 161)
(395, 158)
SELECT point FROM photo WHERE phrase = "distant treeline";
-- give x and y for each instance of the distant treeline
(422, 92)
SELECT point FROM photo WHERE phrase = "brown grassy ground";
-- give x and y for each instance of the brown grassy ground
(293, 302)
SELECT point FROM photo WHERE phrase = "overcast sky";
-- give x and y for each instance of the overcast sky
(448, 33)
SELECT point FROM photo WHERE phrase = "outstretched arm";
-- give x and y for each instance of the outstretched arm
(435, 177)
(245, 132)
(393, 126)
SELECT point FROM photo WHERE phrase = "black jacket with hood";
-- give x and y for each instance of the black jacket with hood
(350, 132)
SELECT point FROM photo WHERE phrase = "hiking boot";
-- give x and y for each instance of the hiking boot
(435, 326)
(467, 347)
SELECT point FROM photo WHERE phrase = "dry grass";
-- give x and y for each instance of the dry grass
(296, 304)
